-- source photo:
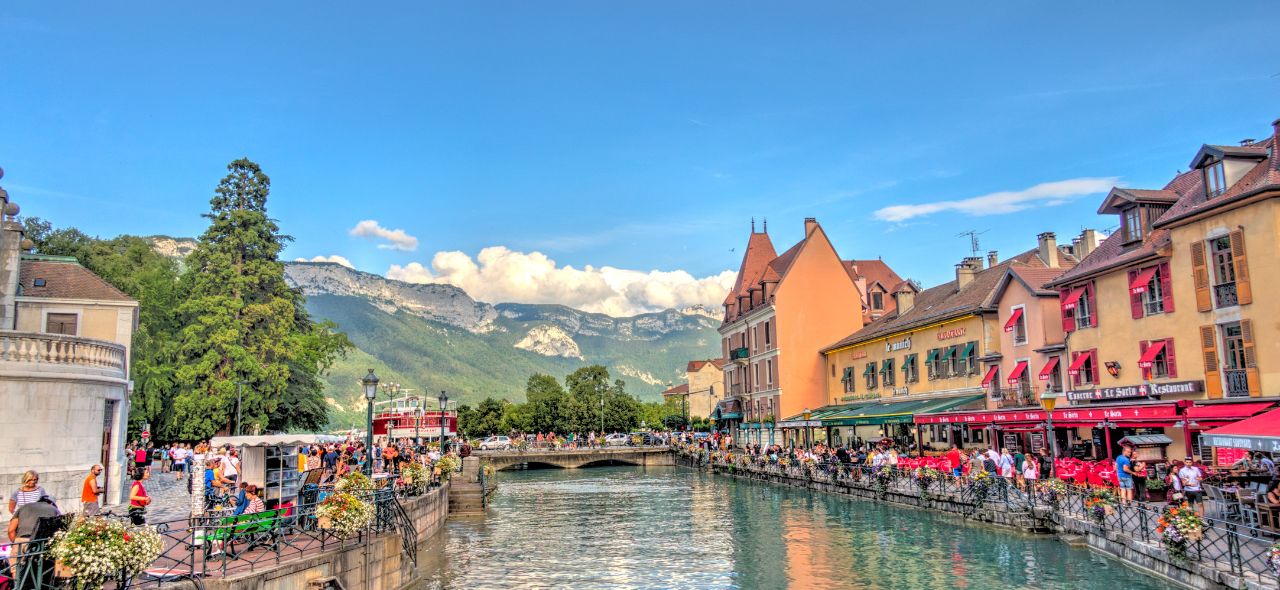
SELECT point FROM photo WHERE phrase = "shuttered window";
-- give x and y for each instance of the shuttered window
(61, 323)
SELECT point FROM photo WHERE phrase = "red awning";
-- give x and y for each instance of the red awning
(1162, 414)
(1018, 370)
(991, 374)
(1072, 298)
(1259, 433)
(1149, 357)
(1074, 369)
(1139, 284)
(1226, 411)
(1013, 320)
(1047, 371)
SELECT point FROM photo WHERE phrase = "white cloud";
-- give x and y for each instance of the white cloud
(1045, 194)
(501, 275)
(397, 238)
(335, 259)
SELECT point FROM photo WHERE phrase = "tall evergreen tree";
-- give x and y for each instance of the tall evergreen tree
(239, 316)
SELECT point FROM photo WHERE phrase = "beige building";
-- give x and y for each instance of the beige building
(64, 353)
(703, 387)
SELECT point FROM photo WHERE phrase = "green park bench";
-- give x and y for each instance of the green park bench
(258, 529)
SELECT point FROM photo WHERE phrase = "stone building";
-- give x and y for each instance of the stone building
(64, 356)
(702, 389)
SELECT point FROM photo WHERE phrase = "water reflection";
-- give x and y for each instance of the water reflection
(628, 527)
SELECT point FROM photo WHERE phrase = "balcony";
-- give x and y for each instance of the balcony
(1225, 294)
(56, 353)
(736, 389)
(739, 355)
(1237, 382)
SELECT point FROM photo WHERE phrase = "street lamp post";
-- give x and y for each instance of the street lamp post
(601, 410)
(239, 397)
(806, 428)
(417, 422)
(370, 383)
(444, 403)
(1048, 400)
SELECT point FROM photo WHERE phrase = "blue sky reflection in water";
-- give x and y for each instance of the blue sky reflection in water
(624, 527)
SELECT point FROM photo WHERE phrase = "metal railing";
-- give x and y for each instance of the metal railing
(1225, 294)
(1237, 382)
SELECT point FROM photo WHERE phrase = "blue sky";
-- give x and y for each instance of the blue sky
(639, 136)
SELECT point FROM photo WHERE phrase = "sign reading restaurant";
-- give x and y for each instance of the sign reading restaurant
(952, 333)
(1131, 391)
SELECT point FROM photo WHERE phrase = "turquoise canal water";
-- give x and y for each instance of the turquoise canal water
(632, 527)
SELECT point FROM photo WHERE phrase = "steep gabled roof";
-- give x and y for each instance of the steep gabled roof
(677, 390)
(945, 300)
(755, 260)
(695, 366)
(1120, 197)
(1264, 176)
(64, 279)
(876, 271)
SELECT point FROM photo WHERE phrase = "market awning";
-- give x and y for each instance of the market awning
(1139, 284)
(991, 376)
(1079, 361)
(895, 412)
(1238, 411)
(1259, 433)
(798, 421)
(1013, 320)
(1125, 415)
(274, 440)
(1018, 370)
(1072, 298)
(1149, 357)
(1047, 372)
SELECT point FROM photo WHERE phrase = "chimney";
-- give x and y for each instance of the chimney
(904, 299)
(964, 274)
(1049, 249)
(1086, 243)
(809, 224)
(992, 258)
(974, 262)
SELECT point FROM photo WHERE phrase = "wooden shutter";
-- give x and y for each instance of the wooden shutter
(1250, 355)
(1166, 287)
(1068, 316)
(1169, 358)
(1209, 348)
(1200, 277)
(1244, 291)
(1143, 345)
(1090, 291)
(1135, 301)
(1075, 379)
(1097, 368)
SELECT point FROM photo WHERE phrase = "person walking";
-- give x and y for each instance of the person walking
(1191, 476)
(138, 498)
(1124, 474)
(30, 491)
(89, 492)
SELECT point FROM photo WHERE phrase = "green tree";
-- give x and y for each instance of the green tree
(239, 316)
(488, 418)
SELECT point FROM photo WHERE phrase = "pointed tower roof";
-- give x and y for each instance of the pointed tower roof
(754, 262)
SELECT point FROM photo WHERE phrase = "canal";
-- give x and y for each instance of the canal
(631, 527)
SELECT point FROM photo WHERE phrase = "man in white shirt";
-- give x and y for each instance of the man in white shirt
(1190, 476)
(231, 467)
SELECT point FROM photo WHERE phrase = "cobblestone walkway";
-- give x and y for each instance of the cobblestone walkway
(169, 499)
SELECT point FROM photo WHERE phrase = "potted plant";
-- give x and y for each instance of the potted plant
(445, 467)
(353, 481)
(1179, 527)
(1098, 504)
(1157, 490)
(344, 514)
(416, 477)
(96, 550)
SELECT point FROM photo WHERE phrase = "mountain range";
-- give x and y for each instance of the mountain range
(435, 337)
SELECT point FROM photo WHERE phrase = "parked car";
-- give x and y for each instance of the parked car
(646, 438)
(617, 439)
(495, 443)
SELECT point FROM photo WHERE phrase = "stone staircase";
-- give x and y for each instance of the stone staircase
(466, 498)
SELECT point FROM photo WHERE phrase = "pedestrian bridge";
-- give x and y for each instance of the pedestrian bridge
(573, 459)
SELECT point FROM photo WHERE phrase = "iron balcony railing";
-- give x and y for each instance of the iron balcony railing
(739, 354)
(1237, 383)
(1225, 294)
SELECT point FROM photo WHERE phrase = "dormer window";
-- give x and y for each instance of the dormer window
(1215, 179)
(1133, 224)
(877, 300)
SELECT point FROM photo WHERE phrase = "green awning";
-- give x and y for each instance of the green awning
(908, 360)
(968, 350)
(887, 366)
(871, 368)
(822, 412)
(951, 351)
(933, 355)
(896, 412)
(848, 374)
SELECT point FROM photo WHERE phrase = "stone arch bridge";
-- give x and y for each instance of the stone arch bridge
(642, 456)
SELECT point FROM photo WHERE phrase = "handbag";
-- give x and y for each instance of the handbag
(138, 515)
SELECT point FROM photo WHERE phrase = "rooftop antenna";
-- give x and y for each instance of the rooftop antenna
(973, 239)
(766, 225)
(753, 224)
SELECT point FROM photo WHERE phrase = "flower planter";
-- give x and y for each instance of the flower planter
(324, 522)
(62, 570)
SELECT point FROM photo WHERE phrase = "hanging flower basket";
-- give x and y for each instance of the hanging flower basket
(1179, 527)
(925, 477)
(1099, 504)
(97, 550)
(353, 482)
(416, 477)
(344, 514)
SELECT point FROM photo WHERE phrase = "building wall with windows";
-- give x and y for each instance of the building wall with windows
(1224, 270)
(1031, 341)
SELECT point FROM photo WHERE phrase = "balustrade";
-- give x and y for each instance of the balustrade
(57, 349)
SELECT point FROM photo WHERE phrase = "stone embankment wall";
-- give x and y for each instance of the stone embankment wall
(379, 565)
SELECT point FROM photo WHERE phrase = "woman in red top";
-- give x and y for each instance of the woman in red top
(138, 498)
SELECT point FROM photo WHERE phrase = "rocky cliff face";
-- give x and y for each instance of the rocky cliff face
(550, 340)
(443, 303)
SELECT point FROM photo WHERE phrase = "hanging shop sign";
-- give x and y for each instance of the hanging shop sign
(1132, 391)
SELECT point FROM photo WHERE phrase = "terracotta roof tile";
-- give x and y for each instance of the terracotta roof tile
(1264, 174)
(754, 262)
(876, 271)
(681, 388)
(65, 280)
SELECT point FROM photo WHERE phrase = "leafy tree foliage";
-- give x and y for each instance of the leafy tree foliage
(573, 407)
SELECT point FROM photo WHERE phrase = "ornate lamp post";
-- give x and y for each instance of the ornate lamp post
(444, 403)
(806, 428)
(370, 383)
(1048, 400)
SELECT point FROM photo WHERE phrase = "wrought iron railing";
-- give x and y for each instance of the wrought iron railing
(1237, 382)
(739, 354)
(1225, 294)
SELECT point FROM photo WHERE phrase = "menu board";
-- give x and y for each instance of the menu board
(1037, 442)
(1227, 456)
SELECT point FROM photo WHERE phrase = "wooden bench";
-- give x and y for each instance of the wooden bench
(258, 529)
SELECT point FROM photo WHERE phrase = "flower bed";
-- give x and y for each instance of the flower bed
(97, 550)
(353, 481)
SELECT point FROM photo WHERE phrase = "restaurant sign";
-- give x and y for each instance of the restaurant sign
(1132, 391)
(903, 344)
(1080, 414)
(952, 333)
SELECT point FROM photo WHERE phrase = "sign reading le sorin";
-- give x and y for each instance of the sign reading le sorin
(903, 344)
(1128, 391)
